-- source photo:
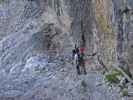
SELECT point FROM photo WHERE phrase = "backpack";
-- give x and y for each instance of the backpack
(82, 50)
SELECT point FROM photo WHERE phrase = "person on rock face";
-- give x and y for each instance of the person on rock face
(79, 60)
(75, 58)
(82, 59)
(75, 53)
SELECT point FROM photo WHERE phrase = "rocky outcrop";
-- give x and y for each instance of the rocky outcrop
(39, 29)
(82, 23)
(114, 25)
(29, 28)
(101, 26)
(107, 37)
(124, 23)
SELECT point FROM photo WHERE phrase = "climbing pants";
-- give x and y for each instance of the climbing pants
(81, 67)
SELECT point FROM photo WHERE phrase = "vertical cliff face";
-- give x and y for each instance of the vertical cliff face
(114, 24)
(123, 10)
(36, 42)
(102, 26)
(106, 35)
(31, 27)
(107, 28)
(82, 13)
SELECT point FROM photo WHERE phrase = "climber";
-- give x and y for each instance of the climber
(79, 59)
(75, 53)
(82, 59)
(75, 58)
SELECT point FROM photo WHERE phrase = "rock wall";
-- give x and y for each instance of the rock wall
(107, 28)
(106, 35)
(34, 26)
(114, 25)
(123, 10)
(102, 26)
(82, 23)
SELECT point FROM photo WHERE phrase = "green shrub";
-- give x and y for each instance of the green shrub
(125, 92)
(112, 77)
(117, 72)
